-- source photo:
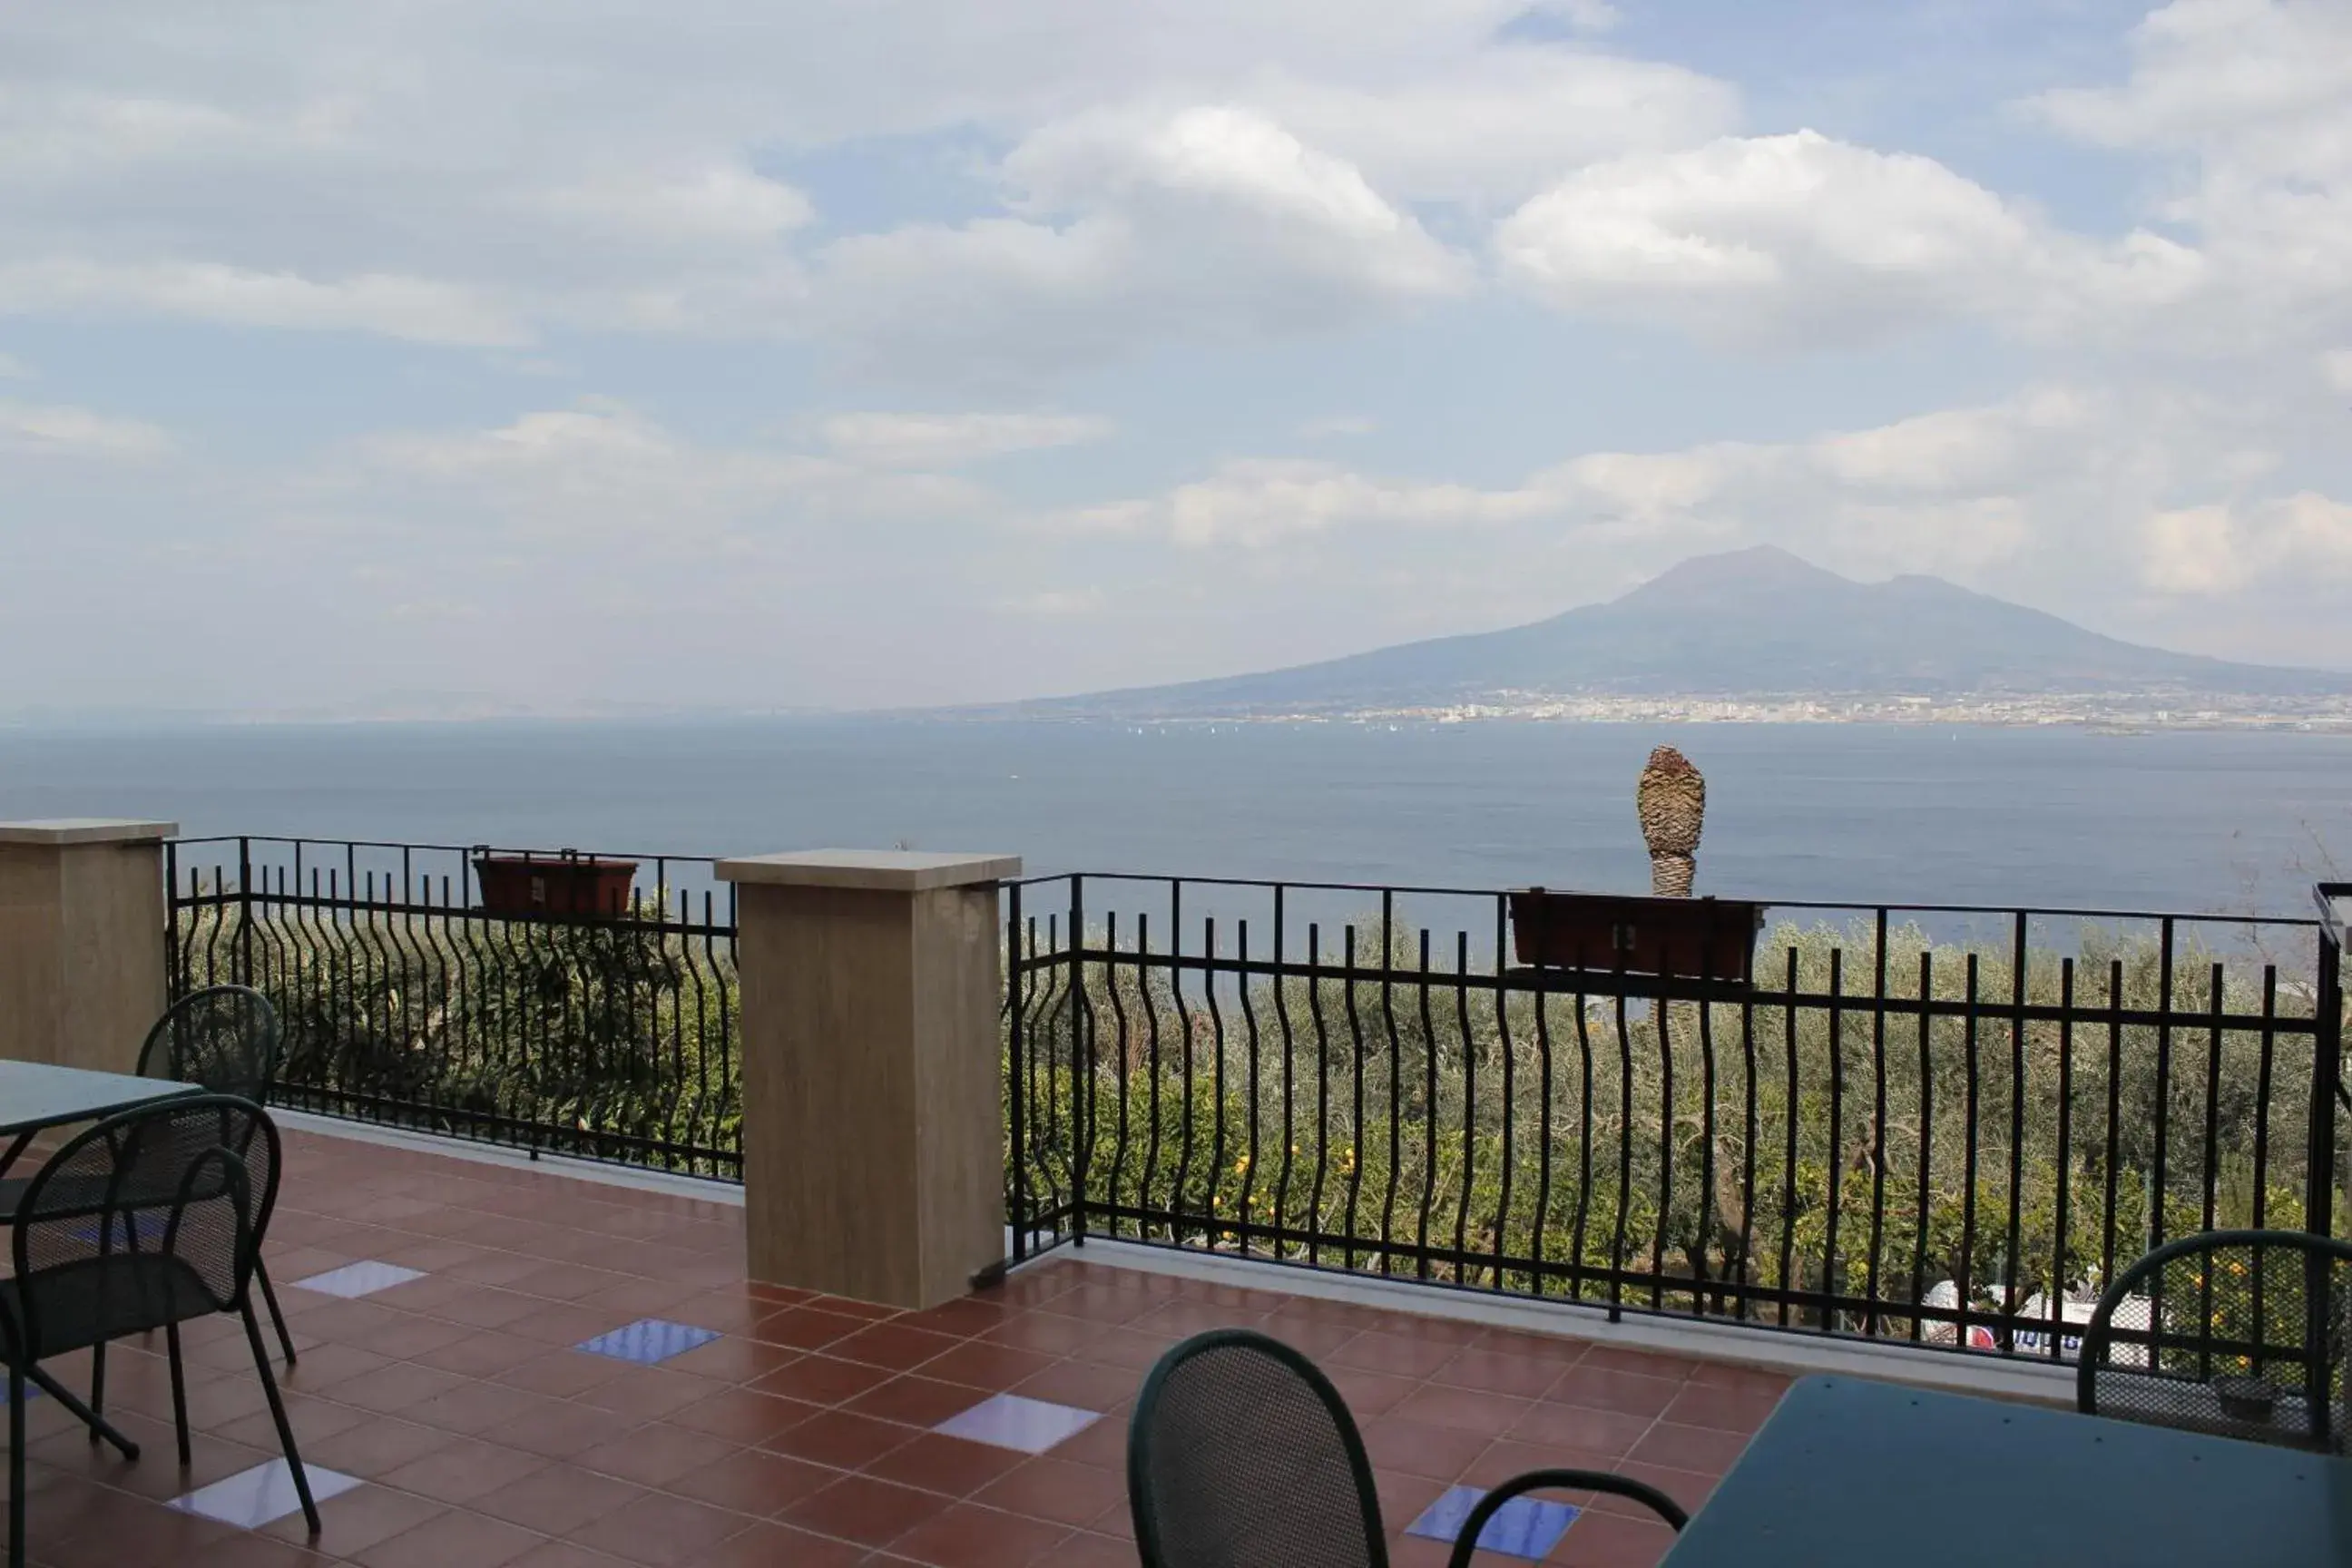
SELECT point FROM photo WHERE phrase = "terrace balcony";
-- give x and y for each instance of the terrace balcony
(472, 1430)
(1524, 1216)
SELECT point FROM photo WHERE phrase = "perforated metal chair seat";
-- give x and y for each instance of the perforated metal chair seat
(86, 1303)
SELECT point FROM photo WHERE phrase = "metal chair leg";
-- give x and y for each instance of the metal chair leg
(179, 1391)
(16, 1498)
(277, 1316)
(80, 1411)
(97, 1388)
(277, 1413)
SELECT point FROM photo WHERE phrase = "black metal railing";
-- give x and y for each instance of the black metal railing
(579, 1011)
(1942, 1125)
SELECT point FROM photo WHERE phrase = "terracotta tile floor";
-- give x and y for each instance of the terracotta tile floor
(799, 1437)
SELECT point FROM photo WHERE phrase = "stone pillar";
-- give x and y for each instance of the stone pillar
(873, 1128)
(81, 940)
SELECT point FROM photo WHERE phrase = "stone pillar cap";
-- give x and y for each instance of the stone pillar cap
(62, 830)
(873, 870)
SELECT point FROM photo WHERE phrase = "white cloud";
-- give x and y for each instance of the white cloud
(1584, 15)
(1335, 425)
(1804, 238)
(606, 471)
(710, 203)
(1961, 450)
(2221, 548)
(14, 369)
(1258, 503)
(56, 430)
(414, 308)
(516, 168)
(1502, 124)
(2250, 101)
(2050, 490)
(1213, 220)
(1247, 175)
(2336, 367)
(949, 440)
(2259, 80)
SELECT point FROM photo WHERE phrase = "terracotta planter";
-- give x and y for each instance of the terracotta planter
(567, 884)
(1690, 938)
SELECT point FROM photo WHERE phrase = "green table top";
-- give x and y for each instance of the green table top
(1853, 1472)
(33, 1095)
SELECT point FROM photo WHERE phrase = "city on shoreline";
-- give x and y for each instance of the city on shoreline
(2108, 711)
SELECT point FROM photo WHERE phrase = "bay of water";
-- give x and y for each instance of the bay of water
(2223, 822)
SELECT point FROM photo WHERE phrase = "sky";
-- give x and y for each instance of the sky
(448, 356)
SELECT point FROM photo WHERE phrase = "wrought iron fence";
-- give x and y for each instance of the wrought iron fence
(599, 1022)
(1940, 1125)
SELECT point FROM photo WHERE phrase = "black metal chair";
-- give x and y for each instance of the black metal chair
(1241, 1455)
(2238, 1333)
(228, 1038)
(146, 1220)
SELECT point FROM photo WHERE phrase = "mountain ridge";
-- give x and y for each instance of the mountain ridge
(1749, 623)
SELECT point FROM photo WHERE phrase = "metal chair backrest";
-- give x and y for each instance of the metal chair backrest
(2242, 1333)
(225, 1038)
(151, 1216)
(1241, 1455)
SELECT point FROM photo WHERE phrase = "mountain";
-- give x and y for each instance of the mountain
(1757, 622)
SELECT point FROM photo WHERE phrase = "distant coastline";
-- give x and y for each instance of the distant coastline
(2103, 712)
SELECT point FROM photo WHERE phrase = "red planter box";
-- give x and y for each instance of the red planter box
(568, 884)
(1606, 932)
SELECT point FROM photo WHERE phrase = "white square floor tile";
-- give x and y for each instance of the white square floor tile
(1009, 1421)
(359, 1279)
(251, 1499)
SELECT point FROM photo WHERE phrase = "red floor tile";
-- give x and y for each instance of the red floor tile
(452, 1540)
(1057, 1491)
(948, 1464)
(557, 1500)
(656, 1454)
(743, 1414)
(460, 1471)
(917, 1401)
(1725, 1409)
(657, 1531)
(970, 1537)
(1467, 1409)
(358, 1519)
(989, 1366)
(1422, 1447)
(1086, 1549)
(804, 1328)
(892, 1347)
(868, 1511)
(820, 1379)
(838, 1438)
(1627, 1394)
(782, 1546)
(753, 1481)
(1582, 1428)
(1392, 1355)
(1708, 1450)
(1599, 1539)
(649, 1392)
